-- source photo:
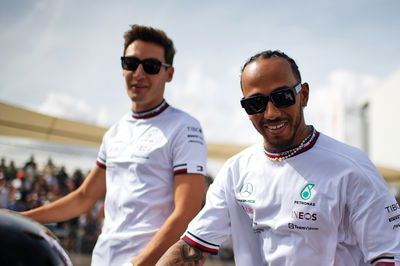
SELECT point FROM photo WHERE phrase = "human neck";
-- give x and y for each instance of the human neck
(151, 112)
(141, 108)
(305, 144)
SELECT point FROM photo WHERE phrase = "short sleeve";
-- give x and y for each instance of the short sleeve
(374, 217)
(102, 155)
(189, 150)
(211, 227)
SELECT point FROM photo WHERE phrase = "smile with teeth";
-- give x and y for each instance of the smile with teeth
(276, 126)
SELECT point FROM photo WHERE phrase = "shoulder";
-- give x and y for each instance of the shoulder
(179, 115)
(328, 147)
(237, 168)
(178, 121)
(344, 160)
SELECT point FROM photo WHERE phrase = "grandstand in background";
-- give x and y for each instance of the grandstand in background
(20, 122)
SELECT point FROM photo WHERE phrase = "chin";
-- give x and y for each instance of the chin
(278, 143)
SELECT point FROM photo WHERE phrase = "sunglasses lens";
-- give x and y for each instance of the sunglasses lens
(254, 105)
(151, 66)
(130, 63)
(283, 98)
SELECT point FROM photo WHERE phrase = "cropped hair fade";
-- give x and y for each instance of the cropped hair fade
(149, 34)
(270, 54)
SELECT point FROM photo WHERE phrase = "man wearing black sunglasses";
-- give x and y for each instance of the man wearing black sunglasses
(298, 198)
(150, 168)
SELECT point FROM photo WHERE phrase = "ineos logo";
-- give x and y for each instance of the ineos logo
(305, 215)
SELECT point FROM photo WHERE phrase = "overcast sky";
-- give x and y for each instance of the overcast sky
(61, 57)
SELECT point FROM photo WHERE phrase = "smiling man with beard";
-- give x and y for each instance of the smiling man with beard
(300, 197)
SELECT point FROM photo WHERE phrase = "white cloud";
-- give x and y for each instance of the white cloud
(103, 116)
(66, 106)
(215, 104)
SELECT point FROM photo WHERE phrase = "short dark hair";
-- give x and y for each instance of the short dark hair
(149, 34)
(270, 54)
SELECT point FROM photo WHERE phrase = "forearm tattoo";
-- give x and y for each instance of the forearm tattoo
(182, 254)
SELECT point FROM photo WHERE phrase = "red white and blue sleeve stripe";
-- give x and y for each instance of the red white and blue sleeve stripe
(101, 163)
(180, 169)
(383, 260)
(199, 243)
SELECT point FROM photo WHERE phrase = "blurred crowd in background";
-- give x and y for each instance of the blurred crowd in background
(23, 187)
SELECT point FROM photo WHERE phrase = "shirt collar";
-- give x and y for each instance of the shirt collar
(152, 112)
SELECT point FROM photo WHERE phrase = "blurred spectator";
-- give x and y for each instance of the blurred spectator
(90, 229)
(29, 187)
(77, 179)
(4, 191)
(62, 181)
(49, 168)
(73, 225)
(3, 167)
(30, 172)
(31, 163)
(11, 172)
(16, 200)
(49, 173)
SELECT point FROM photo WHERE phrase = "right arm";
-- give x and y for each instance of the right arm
(75, 203)
(182, 253)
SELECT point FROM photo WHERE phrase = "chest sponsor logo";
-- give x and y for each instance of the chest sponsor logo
(298, 202)
(152, 139)
(396, 226)
(306, 192)
(305, 216)
(246, 193)
(247, 190)
(299, 227)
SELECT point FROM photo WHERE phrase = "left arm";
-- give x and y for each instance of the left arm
(189, 192)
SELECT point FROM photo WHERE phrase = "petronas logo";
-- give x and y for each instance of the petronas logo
(305, 193)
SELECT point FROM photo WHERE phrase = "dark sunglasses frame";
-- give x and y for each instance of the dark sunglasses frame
(258, 103)
(150, 65)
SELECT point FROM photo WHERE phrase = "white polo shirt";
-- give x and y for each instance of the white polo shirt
(325, 206)
(141, 154)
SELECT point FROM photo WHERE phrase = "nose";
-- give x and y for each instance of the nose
(139, 72)
(271, 111)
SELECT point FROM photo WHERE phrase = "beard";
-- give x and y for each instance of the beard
(281, 143)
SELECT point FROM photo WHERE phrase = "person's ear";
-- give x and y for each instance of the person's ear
(170, 73)
(304, 94)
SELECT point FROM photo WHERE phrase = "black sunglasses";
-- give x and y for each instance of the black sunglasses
(150, 65)
(282, 97)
